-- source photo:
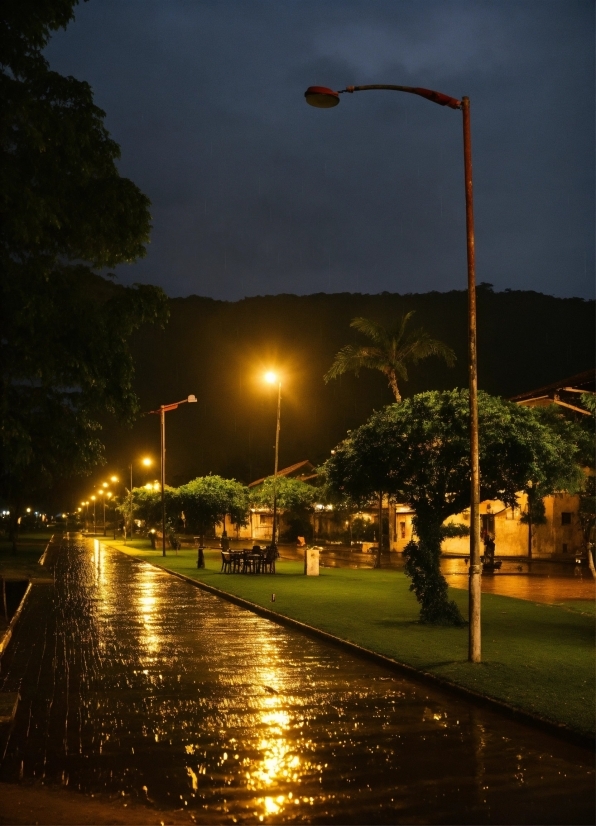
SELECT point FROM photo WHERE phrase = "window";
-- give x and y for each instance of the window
(402, 529)
(565, 518)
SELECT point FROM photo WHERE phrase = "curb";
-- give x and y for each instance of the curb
(559, 730)
(8, 633)
(15, 617)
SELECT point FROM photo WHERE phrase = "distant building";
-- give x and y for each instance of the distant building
(260, 520)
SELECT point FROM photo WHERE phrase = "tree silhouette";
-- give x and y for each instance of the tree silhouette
(392, 349)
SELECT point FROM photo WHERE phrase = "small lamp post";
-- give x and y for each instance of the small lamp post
(93, 499)
(323, 98)
(272, 378)
(161, 411)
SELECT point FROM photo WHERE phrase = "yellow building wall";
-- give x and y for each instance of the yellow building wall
(559, 538)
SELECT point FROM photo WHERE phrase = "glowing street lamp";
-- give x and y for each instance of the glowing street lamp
(272, 378)
(93, 499)
(162, 410)
(323, 98)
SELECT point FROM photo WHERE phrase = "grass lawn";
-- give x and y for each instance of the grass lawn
(536, 657)
(24, 564)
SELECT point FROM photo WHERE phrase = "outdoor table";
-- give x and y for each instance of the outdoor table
(252, 562)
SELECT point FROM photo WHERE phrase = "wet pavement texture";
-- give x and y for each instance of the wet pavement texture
(536, 580)
(136, 684)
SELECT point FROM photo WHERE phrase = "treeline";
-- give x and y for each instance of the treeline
(219, 351)
(206, 501)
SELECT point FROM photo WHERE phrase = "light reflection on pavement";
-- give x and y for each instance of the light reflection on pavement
(537, 581)
(137, 684)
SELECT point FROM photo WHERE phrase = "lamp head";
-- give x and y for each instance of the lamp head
(147, 461)
(321, 97)
(271, 377)
(191, 398)
(113, 478)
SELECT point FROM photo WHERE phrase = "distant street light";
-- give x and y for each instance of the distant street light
(162, 416)
(272, 378)
(93, 498)
(323, 98)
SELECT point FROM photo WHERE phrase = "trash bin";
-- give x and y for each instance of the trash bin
(312, 562)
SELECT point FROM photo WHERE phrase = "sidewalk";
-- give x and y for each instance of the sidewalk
(536, 658)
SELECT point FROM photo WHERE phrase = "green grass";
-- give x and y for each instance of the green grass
(536, 657)
(24, 564)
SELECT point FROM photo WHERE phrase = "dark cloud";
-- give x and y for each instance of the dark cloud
(254, 192)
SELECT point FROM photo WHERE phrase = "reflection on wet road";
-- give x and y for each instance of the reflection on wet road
(538, 580)
(135, 683)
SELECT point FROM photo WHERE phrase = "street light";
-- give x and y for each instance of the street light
(323, 98)
(161, 411)
(93, 498)
(272, 378)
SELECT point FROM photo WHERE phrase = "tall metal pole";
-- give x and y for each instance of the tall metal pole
(274, 531)
(130, 503)
(162, 414)
(474, 647)
(325, 98)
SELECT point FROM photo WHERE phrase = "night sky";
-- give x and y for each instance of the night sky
(254, 192)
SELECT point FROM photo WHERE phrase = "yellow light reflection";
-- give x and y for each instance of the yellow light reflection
(150, 610)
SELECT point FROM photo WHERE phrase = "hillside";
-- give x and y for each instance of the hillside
(219, 350)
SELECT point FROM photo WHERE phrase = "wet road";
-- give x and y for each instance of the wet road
(139, 685)
(537, 580)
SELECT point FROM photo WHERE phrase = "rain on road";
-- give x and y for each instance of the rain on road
(135, 684)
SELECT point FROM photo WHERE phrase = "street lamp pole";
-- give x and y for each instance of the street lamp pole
(163, 409)
(276, 468)
(130, 503)
(323, 98)
(273, 378)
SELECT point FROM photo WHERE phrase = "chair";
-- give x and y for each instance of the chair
(268, 562)
(252, 563)
(237, 561)
(226, 562)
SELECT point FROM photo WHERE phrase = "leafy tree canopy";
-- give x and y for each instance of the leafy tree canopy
(292, 494)
(146, 505)
(418, 451)
(209, 499)
(66, 211)
(390, 351)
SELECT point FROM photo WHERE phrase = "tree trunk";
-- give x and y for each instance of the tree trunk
(591, 561)
(394, 387)
(428, 583)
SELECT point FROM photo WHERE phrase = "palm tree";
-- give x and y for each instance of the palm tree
(390, 351)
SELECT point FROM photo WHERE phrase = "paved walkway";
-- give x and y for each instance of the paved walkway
(138, 686)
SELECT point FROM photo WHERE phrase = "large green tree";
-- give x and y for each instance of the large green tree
(210, 499)
(418, 451)
(295, 499)
(67, 215)
(391, 350)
